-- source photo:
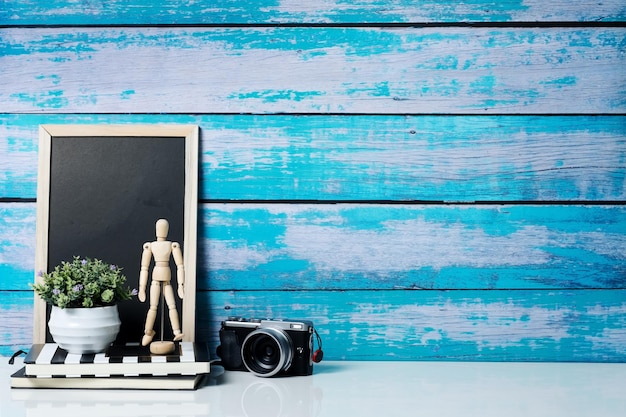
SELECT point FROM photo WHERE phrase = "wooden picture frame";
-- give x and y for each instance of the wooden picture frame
(100, 190)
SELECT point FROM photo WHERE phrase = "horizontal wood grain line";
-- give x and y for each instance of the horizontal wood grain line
(325, 114)
(374, 24)
(411, 202)
(66, 12)
(374, 290)
(17, 200)
(323, 70)
(386, 159)
(312, 247)
(388, 202)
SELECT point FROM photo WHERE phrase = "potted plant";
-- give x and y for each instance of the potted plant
(83, 294)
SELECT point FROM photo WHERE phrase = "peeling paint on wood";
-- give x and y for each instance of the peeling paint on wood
(525, 325)
(430, 158)
(17, 246)
(374, 247)
(431, 247)
(342, 158)
(313, 70)
(586, 325)
(16, 326)
(154, 12)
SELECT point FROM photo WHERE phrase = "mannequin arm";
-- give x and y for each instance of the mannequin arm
(146, 256)
(180, 268)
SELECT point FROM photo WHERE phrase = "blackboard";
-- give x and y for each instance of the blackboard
(101, 190)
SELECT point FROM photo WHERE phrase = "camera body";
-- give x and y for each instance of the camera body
(267, 347)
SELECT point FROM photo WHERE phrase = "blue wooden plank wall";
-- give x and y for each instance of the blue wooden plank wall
(425, 180)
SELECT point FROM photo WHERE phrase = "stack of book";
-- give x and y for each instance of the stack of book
(129, 366)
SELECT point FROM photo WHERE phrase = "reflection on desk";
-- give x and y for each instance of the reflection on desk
(233, 394)
(263, 397)
(354, 389)
(109, 403)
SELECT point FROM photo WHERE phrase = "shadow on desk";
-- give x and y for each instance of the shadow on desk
(329, 368)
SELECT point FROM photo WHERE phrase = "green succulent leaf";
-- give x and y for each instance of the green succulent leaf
(83, 282)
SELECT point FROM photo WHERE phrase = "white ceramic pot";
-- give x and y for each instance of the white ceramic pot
(84, 330)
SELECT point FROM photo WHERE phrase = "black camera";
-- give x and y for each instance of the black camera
(267, 347)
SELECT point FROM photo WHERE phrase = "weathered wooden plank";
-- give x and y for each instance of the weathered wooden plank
(373, 247)
(584, 325)
(355, 246)
(17, 245)
(78, 12)
(16, 326)
(340, 157)
(374, 70)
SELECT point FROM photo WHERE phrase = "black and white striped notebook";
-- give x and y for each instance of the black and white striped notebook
(19, 379)
(49, 359)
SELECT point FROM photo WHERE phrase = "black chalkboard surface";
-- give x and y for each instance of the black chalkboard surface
(105, 193)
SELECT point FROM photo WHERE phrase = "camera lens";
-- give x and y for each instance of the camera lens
(267, 351)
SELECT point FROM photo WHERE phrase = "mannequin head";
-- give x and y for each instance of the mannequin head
(162, 228)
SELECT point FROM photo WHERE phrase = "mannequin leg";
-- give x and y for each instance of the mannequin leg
(168, 291)
(155, 293)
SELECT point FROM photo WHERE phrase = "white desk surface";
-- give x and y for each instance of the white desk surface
(360, 389)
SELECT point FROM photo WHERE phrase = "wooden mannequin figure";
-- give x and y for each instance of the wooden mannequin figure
(161, 250)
